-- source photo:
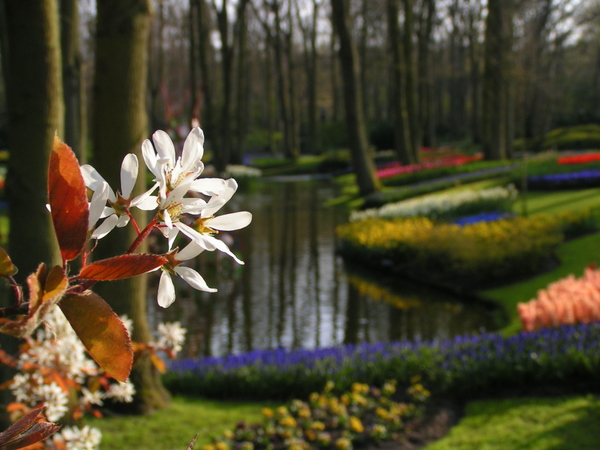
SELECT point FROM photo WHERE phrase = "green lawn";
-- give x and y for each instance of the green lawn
(527, 424)
(176, 426)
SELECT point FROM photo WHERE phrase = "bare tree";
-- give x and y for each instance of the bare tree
(363, 165)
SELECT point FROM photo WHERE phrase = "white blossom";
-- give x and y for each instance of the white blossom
(436, 205)
(75, 438)
(171, 336)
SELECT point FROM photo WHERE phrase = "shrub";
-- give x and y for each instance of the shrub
(364, 415)
(575, 137)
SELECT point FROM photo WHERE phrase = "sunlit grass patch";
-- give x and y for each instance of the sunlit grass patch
(531, 423)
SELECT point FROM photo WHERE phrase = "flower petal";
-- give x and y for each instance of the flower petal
(208, 186)
(91, 177)
(217, 201)
(106, 227)
(166, 290)
(190, 251)
(164, 146)
(229, 222)
(193, 278)
(97, 205)
(129, 173)
(192, 150)
(150, 158)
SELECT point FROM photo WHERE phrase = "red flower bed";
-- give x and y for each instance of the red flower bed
(579, 159)
(430, 161)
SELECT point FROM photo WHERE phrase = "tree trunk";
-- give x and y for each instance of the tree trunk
(425, 74)
(120, 125)
(71, 72)
(31, 65)
(366, 178)
(403, 141)
(495, 84)
(282, 88)
(35, 113)
(411, 92)
(207, 108)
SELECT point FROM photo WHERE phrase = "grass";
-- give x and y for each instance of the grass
(176, 426)
(527, 423)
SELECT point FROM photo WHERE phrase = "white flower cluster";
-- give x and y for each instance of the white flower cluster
(56, 350)
(241, 171)
(171, 336)
(193, 217)
(75, 438)
(436, 205)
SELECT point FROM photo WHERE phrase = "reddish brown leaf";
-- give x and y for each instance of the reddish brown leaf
(67, 196)
(7, 268)
(101, 332)
(28, 430)
(45, 291)
(123, 266)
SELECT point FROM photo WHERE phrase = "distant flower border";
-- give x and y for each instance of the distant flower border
(579, 159)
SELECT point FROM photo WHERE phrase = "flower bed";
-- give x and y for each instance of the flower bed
(575, 180)
(453, 255)
(363, 416)
(566, 301)
(468, 366)
(395, 168)
(482, 217)
(445, 206)
(579, 159)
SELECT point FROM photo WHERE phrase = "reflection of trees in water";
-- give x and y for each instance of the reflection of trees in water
(413, 311)
(293, 290)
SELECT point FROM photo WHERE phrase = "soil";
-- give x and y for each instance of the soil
(439, 418)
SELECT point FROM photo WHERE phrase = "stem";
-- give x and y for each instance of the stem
(133, 222)
(143, 235)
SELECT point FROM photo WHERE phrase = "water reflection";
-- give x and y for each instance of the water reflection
(294, 292)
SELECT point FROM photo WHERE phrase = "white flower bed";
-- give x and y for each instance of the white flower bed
(441, 205)
(240, 171)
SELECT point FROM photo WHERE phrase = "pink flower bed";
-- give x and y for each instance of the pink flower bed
(564, 302)
(579, 159)
(430, 161)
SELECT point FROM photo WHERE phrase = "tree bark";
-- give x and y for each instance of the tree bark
(403, 142)
(35, 114)
(495, 127)
(120, 125)
(71, 72)
(364, 169)
(411, 92)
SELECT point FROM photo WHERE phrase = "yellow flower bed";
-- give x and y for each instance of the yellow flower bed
(458, 254)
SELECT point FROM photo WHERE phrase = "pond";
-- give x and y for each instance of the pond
(295, 292)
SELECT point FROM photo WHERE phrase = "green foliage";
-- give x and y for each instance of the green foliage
(334, 135)
(579, 137)
(364, 415)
